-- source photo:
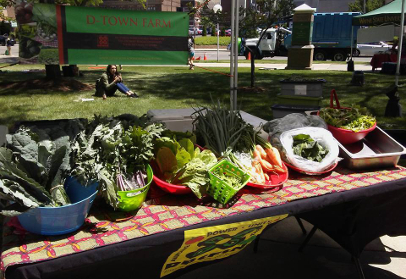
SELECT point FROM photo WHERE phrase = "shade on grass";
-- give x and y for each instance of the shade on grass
(177, 87)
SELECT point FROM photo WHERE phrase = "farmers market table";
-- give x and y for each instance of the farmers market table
(114, 244)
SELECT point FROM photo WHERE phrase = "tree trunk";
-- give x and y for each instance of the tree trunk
(252, 69)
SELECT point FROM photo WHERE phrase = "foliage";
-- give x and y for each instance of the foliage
(306, 147)
(180, 163)
(112, 146)
(212, 40)
(204, 32)
(263, 15)
(356, 118)
(358, 5)
(218, 129)
(34, 165)
(82, 3)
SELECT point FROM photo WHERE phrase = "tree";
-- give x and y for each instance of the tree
(263, 15)
(370, 5)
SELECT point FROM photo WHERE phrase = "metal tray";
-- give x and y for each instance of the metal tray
(376, 150)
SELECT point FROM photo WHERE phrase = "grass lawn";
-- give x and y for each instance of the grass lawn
(177, 87)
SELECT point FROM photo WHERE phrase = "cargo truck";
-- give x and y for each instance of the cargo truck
(331, 37)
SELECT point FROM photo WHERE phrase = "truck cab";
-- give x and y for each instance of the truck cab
(270, 45)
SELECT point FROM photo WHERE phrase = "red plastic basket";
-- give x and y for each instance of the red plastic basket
(171, 188)
(345, 136)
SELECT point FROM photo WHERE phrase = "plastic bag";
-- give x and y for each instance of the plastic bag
(322, 136)
(291, 121)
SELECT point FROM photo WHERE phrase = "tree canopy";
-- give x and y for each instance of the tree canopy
(370, 5)
(263, 15)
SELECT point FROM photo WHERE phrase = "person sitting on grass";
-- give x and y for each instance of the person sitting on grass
(109, 82)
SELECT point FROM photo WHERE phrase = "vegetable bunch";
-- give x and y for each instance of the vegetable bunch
(263, 160)
(112, 151)
(219, 129)
(180, 163)
(304, 146)
(33, 168)
(354, 118)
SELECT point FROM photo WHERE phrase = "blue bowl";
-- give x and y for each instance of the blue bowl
(63, 219)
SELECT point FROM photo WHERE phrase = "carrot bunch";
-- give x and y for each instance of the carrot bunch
(265, 161)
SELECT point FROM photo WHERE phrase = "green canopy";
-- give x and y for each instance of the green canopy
(388, 14)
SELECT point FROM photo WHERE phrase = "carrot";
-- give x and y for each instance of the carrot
(273, 156)
(259, 172)
(261, 151)
(278, 156)
(266, 166)
(279, 169)
(256, 155)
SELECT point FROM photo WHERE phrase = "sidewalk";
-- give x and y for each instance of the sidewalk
(5, 59)
(270, 66)
(322, 258)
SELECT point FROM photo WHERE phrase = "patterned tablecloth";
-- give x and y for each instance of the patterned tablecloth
(168, 212)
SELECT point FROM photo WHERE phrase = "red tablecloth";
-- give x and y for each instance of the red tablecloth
(110, 234)
(378, 59)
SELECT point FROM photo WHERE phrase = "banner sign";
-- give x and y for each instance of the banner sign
(376, 19)
(213, 243)
(83, 35)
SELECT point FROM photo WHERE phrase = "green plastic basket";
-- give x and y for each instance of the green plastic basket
(132, 200)
(219, 189)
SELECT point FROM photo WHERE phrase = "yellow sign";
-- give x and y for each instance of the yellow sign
(213, 243)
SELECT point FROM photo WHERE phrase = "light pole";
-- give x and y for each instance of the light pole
(216, 9)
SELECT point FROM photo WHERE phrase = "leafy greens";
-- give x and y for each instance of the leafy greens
(304, 146)
(180, 163)
(33, 168)
(112, 147)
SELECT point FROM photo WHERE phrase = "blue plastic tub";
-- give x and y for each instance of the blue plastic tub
(63, 219)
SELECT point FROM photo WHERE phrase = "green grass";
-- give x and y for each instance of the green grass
(177, 87)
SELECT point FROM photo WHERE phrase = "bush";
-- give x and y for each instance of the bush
(212, 40)
(213, 31)
(204, 32)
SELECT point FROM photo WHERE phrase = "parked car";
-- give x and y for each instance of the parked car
(195, 31)
(371, 48)
(228, 32)
(3, 39)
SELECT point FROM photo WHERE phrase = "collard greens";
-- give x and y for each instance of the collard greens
(31, 167)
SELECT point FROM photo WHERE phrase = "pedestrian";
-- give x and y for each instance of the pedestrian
(110, 82)
(9, 43)
(191, 51)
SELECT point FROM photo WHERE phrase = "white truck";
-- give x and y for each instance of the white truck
(332, 37)
(271, 44)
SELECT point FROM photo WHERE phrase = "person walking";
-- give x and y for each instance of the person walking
(191, 51)
(9, 44)
(110, 82)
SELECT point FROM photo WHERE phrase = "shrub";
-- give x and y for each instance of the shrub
(204, 32)
(212, 40)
